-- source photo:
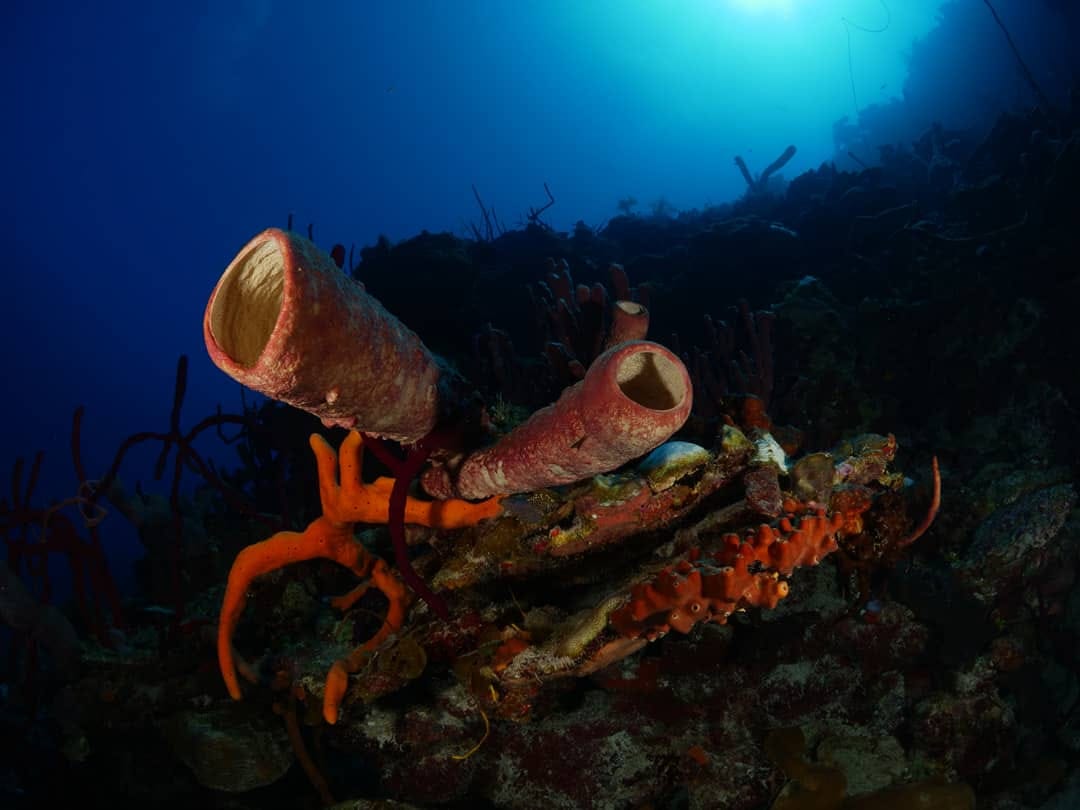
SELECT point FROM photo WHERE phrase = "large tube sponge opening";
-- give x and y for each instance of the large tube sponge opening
(248, 302)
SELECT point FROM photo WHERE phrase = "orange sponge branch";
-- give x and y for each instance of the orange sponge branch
(346, 500)
(322, 539)
(353, 501)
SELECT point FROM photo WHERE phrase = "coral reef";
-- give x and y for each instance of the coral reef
(847, 579)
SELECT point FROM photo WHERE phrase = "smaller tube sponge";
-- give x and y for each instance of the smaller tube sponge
(633, 398)
(629, 321)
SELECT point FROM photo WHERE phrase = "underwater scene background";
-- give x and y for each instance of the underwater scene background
(541, 405)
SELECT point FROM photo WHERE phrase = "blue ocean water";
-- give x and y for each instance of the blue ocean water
(145, 144)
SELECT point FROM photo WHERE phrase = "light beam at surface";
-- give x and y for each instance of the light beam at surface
(782, 7)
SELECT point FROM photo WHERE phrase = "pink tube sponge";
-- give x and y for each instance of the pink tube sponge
(632, 399)
(285, 321)
(629, 321)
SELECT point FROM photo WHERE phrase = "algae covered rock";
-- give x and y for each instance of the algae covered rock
(229, 749)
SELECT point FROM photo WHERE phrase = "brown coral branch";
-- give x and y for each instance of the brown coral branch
(931, 513)
(1044, 102)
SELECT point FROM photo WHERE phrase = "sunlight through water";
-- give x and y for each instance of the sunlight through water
(782, 7)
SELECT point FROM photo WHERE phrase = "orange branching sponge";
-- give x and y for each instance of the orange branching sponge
(346, 500)
(744, 572)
